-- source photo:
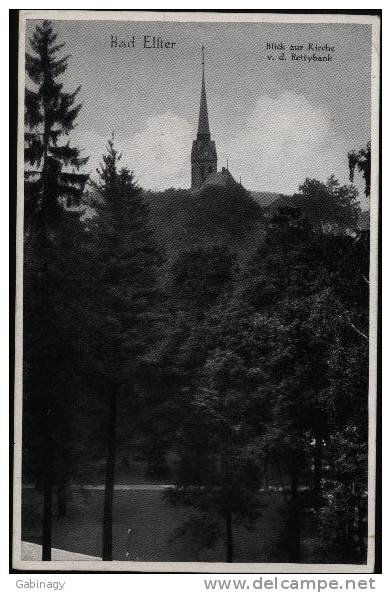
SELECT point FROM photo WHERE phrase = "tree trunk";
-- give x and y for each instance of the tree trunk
(317, 465)
(229, 537)
(61, 500)
(107, 549)
(294, 482)
(47, 519)
(47, 473)
(361, 530)
(294, 536)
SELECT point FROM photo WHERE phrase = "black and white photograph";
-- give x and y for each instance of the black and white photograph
(196, 292)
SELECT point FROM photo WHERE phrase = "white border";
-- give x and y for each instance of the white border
(191, 17)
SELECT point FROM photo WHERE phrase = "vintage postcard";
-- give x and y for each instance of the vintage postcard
(196, 313)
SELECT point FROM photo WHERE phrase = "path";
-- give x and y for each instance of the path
(34, 552)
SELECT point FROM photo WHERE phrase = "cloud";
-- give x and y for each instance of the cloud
(285, 140)
(159, 154)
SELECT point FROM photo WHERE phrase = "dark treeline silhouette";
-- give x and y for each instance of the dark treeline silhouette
(224, 345)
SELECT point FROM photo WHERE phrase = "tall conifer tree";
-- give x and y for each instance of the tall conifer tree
(50, 114)
(52, 186)
(124, 258)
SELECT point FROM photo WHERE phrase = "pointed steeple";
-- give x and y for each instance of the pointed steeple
(203, 150)
(203, 120)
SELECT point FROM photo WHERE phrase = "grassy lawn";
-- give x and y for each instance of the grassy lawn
(152, 521)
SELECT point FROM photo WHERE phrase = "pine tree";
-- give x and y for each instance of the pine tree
(51, 262)
(50, 114)
(124, 261)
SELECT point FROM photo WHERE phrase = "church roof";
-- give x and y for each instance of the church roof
(203, 119)
(221, 178)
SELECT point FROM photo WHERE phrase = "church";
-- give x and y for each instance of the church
(203, 153)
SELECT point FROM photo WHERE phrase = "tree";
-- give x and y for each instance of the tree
(200, 275)
(224, 215)
(343, 518)
(361, 160)
(51, 232)
(299, 426)
(259, 331)
(317, 289)
(123, 258)
(343, 514)
(330, 207)
(285, 282)
(50, 114)
(216, 216)
(197, 280)
(219, 444)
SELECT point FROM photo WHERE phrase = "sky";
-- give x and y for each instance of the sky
(277, 122)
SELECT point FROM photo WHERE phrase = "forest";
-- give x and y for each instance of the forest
(217, 345)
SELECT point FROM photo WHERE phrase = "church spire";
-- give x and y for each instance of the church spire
(203, 150)
(203, 120)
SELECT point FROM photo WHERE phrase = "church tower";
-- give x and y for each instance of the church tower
(203, 152)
